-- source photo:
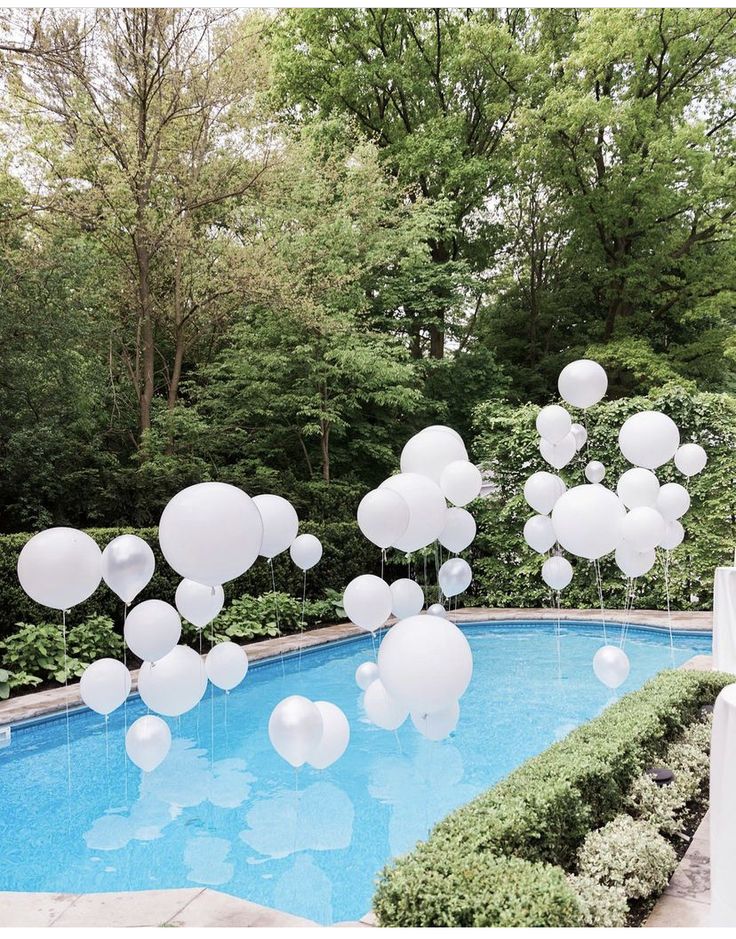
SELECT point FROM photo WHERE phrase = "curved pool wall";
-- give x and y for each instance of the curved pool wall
(225, 811)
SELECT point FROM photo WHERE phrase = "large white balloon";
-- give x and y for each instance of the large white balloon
(580, 434)
(60, 567)
(104, 685)
(582, 383)
(673, 501)
(673, 536)
(557, 572)
(305, 551)
(587, 521)
(649, 439)
(280, 524)
(611, 666)
(365, 674)
(199, 604)
(335, 736)
(642, 528)
(638, 487)
(454, 576)
(226, 665)
(148, 742)
(382, 709)
(429, 452)
(539, 533)
(427, 509)
(438, 724)
(690, 459)
(407, 598)
(634, 563)
(461, 482)
(558, 454)
(459, 530)
(295, 729)
(595, 471)
(383, 516)
(152, 630)
(175, 684)
(211, 533)
(445, 430)
(425, 663)
(553, 423)
(127, 566)
(542, 490)
(367, 601)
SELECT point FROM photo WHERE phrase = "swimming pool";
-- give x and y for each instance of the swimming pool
(225, 811)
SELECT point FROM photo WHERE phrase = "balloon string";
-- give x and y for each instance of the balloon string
(666, 566)
(297, 800)
(302, 623)
(383, 560)
(68, 735)
(628, 607)
(107, 761)
(599, 583)
(558, 630)
(276, 605)
(125, 706)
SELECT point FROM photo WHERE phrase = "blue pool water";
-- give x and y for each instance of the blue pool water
(224, 811)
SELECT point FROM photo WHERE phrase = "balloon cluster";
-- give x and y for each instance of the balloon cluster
(303, 731)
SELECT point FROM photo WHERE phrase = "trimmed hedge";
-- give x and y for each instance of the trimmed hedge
(542, 812)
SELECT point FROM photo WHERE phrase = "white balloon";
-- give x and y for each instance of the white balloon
(673, 501)
(459, 530)
(595, 471)
(226, 665)
(437, 610)
(642, 528)
(558, 454)
(382, 709)
(152, 630)
(673, 536)
(127, 566)
(429, 452)
(305, 551)
(383, 516)
(175, 684)
(407, 598)
(148, 742)
(104, 685)
(366, 674)
(582, 383)
(539, 533)
(445, 430)
(690, 459)
(295, 729)
(438, 724)
(335, 736)
(553, 423)
(611, 666)
(367, 601)
(211, 533)
(557, 572)
(199, 604)
(425, 663)
(634, 563)
(427, 509)
(580, 434)
(461, 482)
(638, 487)
(280, 524)
(454, 577)
(542, 490)
(587, 521)
(649, 439)
(60, 567)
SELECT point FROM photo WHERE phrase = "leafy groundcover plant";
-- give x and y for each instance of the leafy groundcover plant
(568, 838)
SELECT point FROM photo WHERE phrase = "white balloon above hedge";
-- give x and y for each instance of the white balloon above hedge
(60, 567)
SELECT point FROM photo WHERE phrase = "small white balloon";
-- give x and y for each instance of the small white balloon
(367, 601)
(383, 516)
(148, 742)
(582, 383)
(306, 551)
(429, 452)
(295, 729)
(365, 674)
(558, 454)
(674, 535)
(152, 630)
(580, 434)
(280, 524)
(60, 567)
(595, 472)
(557, 572)
(673, 501)
(690, 459)
(539, 533)
(454, 577)
(542, 490)
(427, 509)
(587, 521)
(104, 685)
(634, 563)
(199, 604)
(553, 423)
(611, 666)
(438, 724)
(436, 609)
(382, 709)
(407, 598)
(638, 487)
(649, 439)
(335, 736)
(642, 528)
(175, 684)
(461, 482)
(459, 530)
(226, 665)
(127, 566)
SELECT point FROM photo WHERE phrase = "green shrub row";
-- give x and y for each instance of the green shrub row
(541, 814)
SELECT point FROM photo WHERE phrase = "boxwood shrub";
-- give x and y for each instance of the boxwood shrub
(541, 813)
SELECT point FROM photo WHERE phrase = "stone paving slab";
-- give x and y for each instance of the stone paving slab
(686, 900)
(212, 908)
